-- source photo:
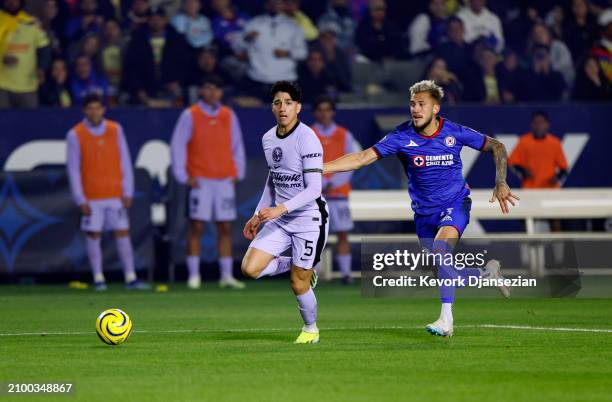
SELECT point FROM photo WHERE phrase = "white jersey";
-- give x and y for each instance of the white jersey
(288, 158)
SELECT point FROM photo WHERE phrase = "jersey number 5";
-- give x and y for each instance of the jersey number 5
(308, 248)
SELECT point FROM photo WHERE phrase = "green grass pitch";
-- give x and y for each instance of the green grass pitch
(214, 345)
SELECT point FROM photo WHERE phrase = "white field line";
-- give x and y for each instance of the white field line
(527, 327)
(243, 330)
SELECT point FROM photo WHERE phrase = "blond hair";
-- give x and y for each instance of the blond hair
(430, 86)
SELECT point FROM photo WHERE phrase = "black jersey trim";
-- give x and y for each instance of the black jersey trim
(289, 132)
(322, 234)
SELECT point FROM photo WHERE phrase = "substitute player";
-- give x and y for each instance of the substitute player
(208, 155)
(336, 141)
(429, 148)
(291, 208)
(102, 185)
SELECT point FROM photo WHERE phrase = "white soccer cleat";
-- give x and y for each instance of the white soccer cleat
(232, 283)
(440, 328)
(493, 271)
(194, 282)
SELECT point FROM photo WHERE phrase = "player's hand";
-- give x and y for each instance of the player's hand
(126, 201)
(251, 227)
(85, 209)
(193, 182)
(553, 181)
(271, 213)
(503, 195)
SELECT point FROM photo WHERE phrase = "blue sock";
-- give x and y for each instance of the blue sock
(445, 271)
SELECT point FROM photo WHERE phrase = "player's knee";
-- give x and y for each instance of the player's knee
(249, 268)
(223, 229)
(122, 233)
(196, 228)
(299, 285)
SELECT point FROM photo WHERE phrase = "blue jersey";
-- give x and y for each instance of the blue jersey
(432, 164)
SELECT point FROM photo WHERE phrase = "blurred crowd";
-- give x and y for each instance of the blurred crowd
(155, 52)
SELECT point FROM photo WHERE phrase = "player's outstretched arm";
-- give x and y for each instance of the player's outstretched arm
(501, 192)
(351, 161)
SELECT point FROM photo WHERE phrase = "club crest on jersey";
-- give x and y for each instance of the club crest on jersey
(277, 154)
(450, 141)
(448, 212)
(418, 160)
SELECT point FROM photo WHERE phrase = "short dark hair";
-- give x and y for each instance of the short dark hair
(212, 80)
(324, 99)
(540, 113)
(292, 88)
(91, 98)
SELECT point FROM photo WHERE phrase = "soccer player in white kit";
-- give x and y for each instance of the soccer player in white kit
(291, 212)
(102, 185)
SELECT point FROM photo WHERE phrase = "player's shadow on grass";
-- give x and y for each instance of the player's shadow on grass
(272, 336)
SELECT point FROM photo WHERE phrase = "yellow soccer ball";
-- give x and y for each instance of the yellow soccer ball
(113, 326)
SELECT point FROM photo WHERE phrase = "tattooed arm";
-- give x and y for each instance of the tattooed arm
(501, 192)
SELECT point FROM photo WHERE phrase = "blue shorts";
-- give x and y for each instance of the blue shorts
(456, 215)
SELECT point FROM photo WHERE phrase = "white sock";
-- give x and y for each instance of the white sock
(130, 277)
(225, 267)
(344, 264)
(446, 313)
(126, 255)
(277, 266)
(312, 328)
(94, 252)
(193, 265)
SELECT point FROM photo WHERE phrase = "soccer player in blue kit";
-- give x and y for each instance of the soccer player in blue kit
(429, 148)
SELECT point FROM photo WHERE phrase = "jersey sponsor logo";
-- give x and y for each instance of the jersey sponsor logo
(277, 154)
(287, 180)
(276, 176)
(450, 141)
(412, 144)
(433, 160)
(439, 160)
(315, 155)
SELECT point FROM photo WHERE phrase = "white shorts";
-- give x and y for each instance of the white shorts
(213, 201)
(339, 215)
(306, 246)
(107, 214)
